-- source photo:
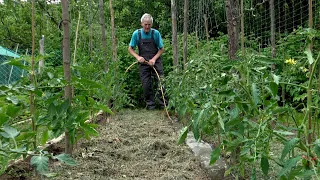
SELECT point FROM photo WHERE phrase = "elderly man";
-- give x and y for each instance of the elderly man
(150, 47)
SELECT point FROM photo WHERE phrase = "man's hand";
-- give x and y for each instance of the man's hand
(151, 62)
(141, 59)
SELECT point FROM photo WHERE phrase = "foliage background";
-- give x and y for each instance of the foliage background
(247, 102)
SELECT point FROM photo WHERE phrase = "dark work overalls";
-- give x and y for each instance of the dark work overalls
(148, 49)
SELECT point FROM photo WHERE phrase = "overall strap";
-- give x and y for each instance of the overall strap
(139, 33)
(152, 34)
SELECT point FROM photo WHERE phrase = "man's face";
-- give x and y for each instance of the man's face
(146, 24)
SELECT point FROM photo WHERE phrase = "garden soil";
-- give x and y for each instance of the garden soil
(133, 144)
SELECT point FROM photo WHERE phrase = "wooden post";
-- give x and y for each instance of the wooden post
(197, 38)
(206, 26)
(174, 33)
(242, 29)
(76, 40)
(90, 29)
(66, 65)
(273, 29)
(103, 35)
(11, 70)
(113, 33)
(41, 62)
(232, 25)
(185, 32)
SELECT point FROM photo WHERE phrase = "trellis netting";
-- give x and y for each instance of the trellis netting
(200, 14)
(288, 16)
(259, 16)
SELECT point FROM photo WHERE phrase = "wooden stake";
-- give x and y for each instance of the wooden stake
(32, 103)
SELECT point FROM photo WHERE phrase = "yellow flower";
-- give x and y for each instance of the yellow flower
(303, 69)
(290, 61)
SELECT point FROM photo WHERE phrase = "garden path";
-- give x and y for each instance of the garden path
(134, 144)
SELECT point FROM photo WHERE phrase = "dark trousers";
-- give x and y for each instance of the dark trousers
(150, 83)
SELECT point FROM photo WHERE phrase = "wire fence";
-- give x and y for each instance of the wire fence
(288, 17)
(201, 13)
(259, 16)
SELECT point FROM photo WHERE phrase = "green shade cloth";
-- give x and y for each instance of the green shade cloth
(8, 73)
(7, 52)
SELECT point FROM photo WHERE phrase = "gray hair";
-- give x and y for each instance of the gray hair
(146, 16)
